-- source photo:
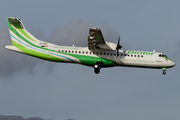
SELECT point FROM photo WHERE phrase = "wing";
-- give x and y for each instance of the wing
(96, 40)
(95, 37)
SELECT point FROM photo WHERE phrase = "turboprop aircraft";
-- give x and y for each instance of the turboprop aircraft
(99, 54)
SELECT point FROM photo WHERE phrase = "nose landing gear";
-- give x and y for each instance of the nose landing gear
(164, 71)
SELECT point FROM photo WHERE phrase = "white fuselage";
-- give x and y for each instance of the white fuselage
(124, 57)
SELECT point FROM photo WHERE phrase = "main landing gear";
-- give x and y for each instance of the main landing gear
(164, 71)
(97, 67)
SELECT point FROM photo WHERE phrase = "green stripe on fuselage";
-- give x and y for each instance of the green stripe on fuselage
(168, 59)
(91, 60)
(38, 54)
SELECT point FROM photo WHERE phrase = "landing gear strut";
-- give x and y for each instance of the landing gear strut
(164, 71)
(97, 67)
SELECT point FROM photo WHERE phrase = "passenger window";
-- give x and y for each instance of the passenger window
(62, 50)
(86, 52)
(114, 54)
(83, 52)
(89, 52)
(93, 52)
(65, 50)
(128, 55)
(72, 51)
(79, 51)
(111, 54)
(75, 51)
(97, 53)
(69, 51)
(138, 55)
(104, 53)
(134, 55)
(100, 53)
(160, 55)
(124, 54)
(141, 55)
(107, 53)
(121, 54)
(131, 55)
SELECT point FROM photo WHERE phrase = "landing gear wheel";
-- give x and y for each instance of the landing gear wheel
(97, 67)
(96, 71)
(164, 72)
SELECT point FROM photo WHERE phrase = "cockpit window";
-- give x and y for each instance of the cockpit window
(161, 55)
(165, 56)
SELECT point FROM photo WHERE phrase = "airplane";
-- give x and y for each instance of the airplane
(99, 54)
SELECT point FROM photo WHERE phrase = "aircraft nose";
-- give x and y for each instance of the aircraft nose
(173, 63)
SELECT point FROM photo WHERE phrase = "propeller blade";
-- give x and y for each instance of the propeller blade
(118, 46)
(118, 40)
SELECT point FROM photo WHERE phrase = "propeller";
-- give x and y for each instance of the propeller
(118, 45)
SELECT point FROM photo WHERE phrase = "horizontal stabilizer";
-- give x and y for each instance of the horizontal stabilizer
(13, 48)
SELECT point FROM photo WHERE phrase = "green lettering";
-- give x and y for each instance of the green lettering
(130, 52)
(140, 53)
(147, 53)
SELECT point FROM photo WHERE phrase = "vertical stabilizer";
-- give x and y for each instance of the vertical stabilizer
(18, 32)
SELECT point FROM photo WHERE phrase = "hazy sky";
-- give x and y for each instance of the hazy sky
(31, 87)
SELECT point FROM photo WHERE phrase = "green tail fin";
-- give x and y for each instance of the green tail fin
(18, 31)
